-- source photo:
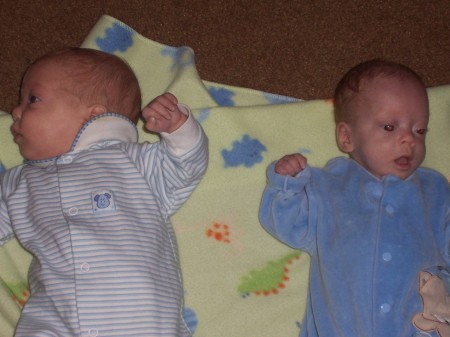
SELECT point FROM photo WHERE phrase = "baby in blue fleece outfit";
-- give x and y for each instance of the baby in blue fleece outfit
(370, 222)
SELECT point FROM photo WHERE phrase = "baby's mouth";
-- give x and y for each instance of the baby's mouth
(17, 136)
(403, 162)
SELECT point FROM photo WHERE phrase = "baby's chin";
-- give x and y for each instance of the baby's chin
(401, 174)
(394, 171)
(30, 155)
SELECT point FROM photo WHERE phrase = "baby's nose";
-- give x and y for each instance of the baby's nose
(16, 113)
(407, 138)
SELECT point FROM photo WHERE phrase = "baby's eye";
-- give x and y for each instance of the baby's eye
(421, 131)
(33, 99)
(389, 127)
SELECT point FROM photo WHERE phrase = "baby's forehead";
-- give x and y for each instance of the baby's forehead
(379, 81)
(391, 93)
(43, 72)
(392, 87)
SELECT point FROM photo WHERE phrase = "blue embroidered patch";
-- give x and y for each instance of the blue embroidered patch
(118, 37)
(245, 152)
(103, 201)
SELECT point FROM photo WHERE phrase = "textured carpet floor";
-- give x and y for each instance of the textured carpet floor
(295, 48)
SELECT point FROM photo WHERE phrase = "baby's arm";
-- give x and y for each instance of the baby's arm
(176, 164)
(285, 210)
(163, 115)
(291, 164)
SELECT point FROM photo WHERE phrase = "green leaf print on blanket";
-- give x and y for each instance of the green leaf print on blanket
(19, 292)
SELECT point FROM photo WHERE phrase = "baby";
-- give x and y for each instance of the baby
(370, 222)
(93, 205)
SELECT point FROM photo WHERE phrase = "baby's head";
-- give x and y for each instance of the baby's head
(358, 80)
(99, 78)
(381, 114)
(61, 91)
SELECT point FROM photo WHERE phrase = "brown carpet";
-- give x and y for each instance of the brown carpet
(296, 48)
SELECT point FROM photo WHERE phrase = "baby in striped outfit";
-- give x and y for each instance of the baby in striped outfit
(93, 205)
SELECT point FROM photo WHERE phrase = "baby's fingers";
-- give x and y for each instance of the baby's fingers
(161, 106)
(285, 168)
(165, 103)
(290, 165)
(169, 97)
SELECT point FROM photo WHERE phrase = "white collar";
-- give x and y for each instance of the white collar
(108, 127)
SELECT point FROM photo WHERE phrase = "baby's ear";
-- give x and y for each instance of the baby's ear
(344, 137)
(97, 109)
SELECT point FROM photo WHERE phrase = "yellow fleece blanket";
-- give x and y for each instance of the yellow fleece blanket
(239, 281)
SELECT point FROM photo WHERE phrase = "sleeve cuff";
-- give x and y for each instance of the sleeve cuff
(186, 137)
(288, 183)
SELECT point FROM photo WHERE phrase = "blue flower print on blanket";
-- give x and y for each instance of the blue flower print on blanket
(203, 115)
(191, 319)
(305, 151)
(181, 57)
(222, 96)
(279, 99)
(118, 37)
(247, 152)
(2, 168)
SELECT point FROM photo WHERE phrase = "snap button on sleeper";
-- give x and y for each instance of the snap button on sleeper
(93, 332)
(67, 160)
(85, 267)
(374, 189)
(389, 209)
(387, 256)
(73, 211)
(385, 307)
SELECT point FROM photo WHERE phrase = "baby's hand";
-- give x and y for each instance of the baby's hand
(163, 115)
(290, 164)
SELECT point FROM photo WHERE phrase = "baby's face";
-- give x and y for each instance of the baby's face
(389, 132)
(48, 116)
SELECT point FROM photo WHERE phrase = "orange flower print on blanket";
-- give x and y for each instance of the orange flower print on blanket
(219, 232)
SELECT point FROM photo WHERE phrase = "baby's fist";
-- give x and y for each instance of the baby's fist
(290, 164)
(163, 115)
